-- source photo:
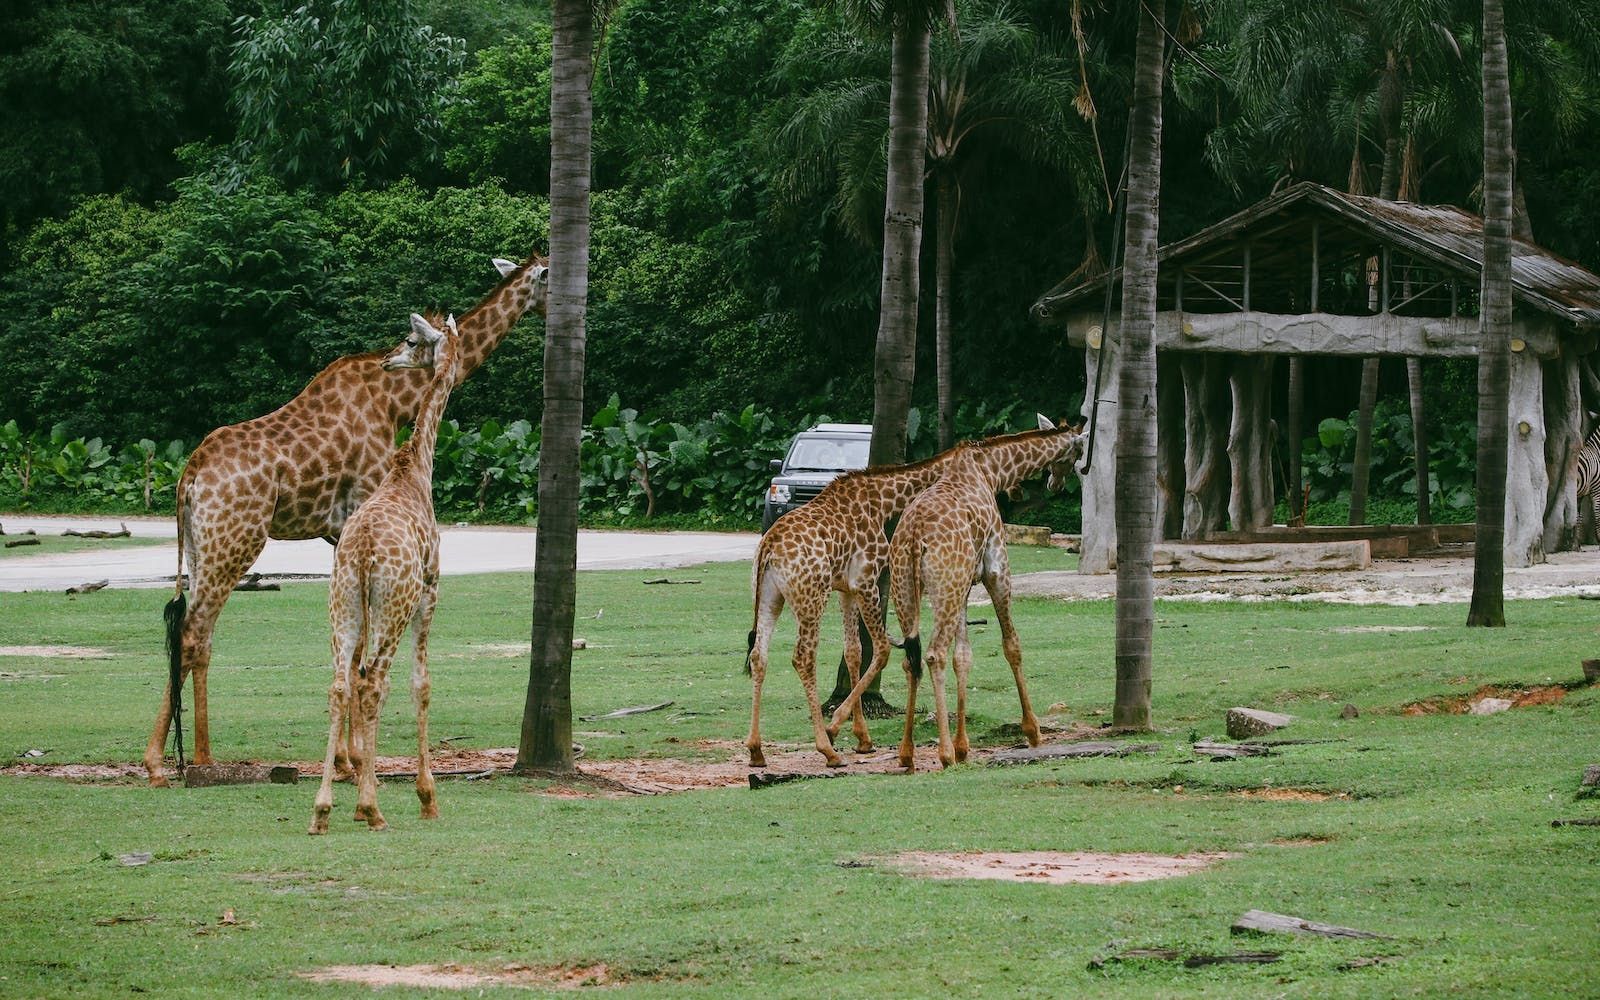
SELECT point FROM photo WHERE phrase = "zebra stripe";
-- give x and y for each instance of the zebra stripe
(1589, 474)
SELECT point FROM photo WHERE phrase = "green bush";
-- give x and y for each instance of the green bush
(1328, 462)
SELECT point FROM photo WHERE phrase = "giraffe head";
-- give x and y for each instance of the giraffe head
(1062, 465)
(427, 347)
(535, 275)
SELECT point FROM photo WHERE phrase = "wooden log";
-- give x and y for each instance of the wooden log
(1209, 557)
(664, 580)
(1027, 534)
(1231, 751)
(623, 712)
(1583, 821)
(209, 775)
(72, 533)
(88, 588)
(1190, 962)
(1209, 406)
(1067, 751)
(1456, 534)
(253, 582)
(1247, 722)
(1250, 495)
(17, 543)
(1383, 541)
(761, 779)
(1262, 922)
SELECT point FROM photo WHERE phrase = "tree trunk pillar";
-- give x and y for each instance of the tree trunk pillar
(1098, 549)
(1208, 406)
(1249, 443)
(1169, 447)
(1563, 421)
(1526, 477)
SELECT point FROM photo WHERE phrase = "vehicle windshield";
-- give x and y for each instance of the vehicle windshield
(818, 454)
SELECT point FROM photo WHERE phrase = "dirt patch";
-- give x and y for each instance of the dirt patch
(1052, 867)
(1462, 704)
(58, 652)
(1308, 840)
(721, 764)
(463, 977)
(1288, 794)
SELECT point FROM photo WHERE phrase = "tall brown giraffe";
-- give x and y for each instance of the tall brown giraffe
(951, 537)
(385, 577)
(835, 542)
(299, 472)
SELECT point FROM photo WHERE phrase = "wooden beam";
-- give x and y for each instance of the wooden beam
(1387, 335)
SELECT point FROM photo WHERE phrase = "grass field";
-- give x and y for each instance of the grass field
(53, 545)
(1438, 832)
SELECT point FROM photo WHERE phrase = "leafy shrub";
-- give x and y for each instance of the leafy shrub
(1328, 463)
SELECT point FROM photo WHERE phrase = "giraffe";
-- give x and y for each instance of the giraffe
(385, 577)
(951, 537)
(299, 472)
(835, 542)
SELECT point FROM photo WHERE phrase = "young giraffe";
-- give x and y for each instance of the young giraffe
(299, 472)
(386, 576)
(835, 542)
(951, 537)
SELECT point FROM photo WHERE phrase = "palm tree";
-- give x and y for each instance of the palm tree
(1494, 328)
(546, 739)
(1136, 388)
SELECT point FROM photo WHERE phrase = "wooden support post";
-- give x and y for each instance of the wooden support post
(1244, 297)
(1563, 421)
(1099, 546)
(1169, 447)
(1526, 478)
(1205, 461)
(1249, 443)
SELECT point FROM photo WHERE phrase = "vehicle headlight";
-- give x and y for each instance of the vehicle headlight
(778, 494)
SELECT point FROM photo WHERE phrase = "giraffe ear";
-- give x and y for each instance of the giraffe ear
(1045, 423)
(450, 324)
(505, 267)
(539, 273)
(424, 329)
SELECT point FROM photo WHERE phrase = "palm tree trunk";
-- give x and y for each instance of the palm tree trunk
(1419, 439)
(895, 362)
(546, 739)
(1494, 324)
(1136, 388)
(945, 238)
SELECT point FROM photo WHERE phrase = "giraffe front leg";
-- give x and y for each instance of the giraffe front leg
(998, 584)
(421, 690)
(851, 609)
(767, 608)
(805, 664)
(908, 758)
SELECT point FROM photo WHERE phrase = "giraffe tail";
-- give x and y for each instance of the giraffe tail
(758, 570)
(173, 615)
(904, 553)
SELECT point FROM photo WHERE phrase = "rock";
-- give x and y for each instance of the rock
(1489, 706)
(211, 775)
(1349, 712)
(580, 644)
(1071, 543)
(1246, 722)
(1591, 776)
(1027, 534)
(1262, 922)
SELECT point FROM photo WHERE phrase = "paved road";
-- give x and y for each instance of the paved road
(464, 550)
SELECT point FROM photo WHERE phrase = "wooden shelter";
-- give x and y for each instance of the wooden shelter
(1313, 271)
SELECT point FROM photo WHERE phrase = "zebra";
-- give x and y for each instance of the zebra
(1589, 477)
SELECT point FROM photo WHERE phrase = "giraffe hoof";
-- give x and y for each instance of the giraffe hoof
(866, 747)
(835, 762)
(377, 825)
(158, 781)
(319, 826)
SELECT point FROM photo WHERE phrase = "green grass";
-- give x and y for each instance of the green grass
(50, 545)
(1444, 841)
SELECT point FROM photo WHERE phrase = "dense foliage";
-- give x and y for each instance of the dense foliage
(208, 200)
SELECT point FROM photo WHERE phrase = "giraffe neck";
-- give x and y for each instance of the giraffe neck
(485, 325)
(425, 439)
(1008, 460)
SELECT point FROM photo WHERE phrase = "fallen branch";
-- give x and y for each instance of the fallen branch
(253, 582)
(1192, 961)
(619, 713)
(18, 542)
(673, 583)
(1230, 751)
(74, 533)
(1262, 922)
(1585, 821)
(89, 588)
(761, 779)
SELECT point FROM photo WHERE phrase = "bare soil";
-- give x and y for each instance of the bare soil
(1052, 867)
(1289, 794)
(716, 764)
(1462, 704)
(464, 977)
